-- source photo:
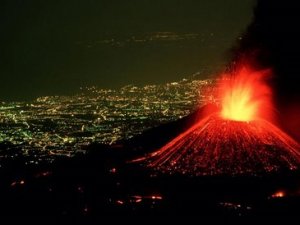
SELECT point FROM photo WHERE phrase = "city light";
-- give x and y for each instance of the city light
(62, 126)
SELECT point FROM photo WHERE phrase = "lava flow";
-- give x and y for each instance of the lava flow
(239, 139)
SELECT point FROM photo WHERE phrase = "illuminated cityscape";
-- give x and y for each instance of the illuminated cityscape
(66, 125)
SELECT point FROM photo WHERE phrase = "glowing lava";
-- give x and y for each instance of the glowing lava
(236, 140)
(244, 95)
(217, 146)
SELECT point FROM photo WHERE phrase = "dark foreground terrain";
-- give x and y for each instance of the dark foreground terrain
(101, 188)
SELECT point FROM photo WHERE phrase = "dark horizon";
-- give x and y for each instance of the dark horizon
(54, 47)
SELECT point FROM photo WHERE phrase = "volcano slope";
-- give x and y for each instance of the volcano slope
(216, 146)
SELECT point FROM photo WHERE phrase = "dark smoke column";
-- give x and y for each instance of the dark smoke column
(273, 41)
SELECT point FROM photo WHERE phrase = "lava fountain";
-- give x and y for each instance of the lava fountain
(239, 139)
(245, 96)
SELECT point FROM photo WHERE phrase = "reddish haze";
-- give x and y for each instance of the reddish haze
(290, 120)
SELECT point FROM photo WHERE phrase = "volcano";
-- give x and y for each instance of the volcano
(218, 146)
(239, 139)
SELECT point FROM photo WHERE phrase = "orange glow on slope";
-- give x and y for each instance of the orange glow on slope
(244, 95)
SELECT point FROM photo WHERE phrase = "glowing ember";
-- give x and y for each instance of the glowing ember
(245, 95)
(237, 140)
(279, 194)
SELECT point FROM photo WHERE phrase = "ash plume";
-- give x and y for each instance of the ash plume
(272, 41)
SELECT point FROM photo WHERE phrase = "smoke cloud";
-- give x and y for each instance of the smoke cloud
(272, 40)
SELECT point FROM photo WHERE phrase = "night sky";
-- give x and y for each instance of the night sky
(54, 47)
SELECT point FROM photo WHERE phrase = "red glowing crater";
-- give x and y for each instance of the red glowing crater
(239, 139)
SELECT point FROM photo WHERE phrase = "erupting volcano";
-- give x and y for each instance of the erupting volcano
(245, 96)
(239, 139)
